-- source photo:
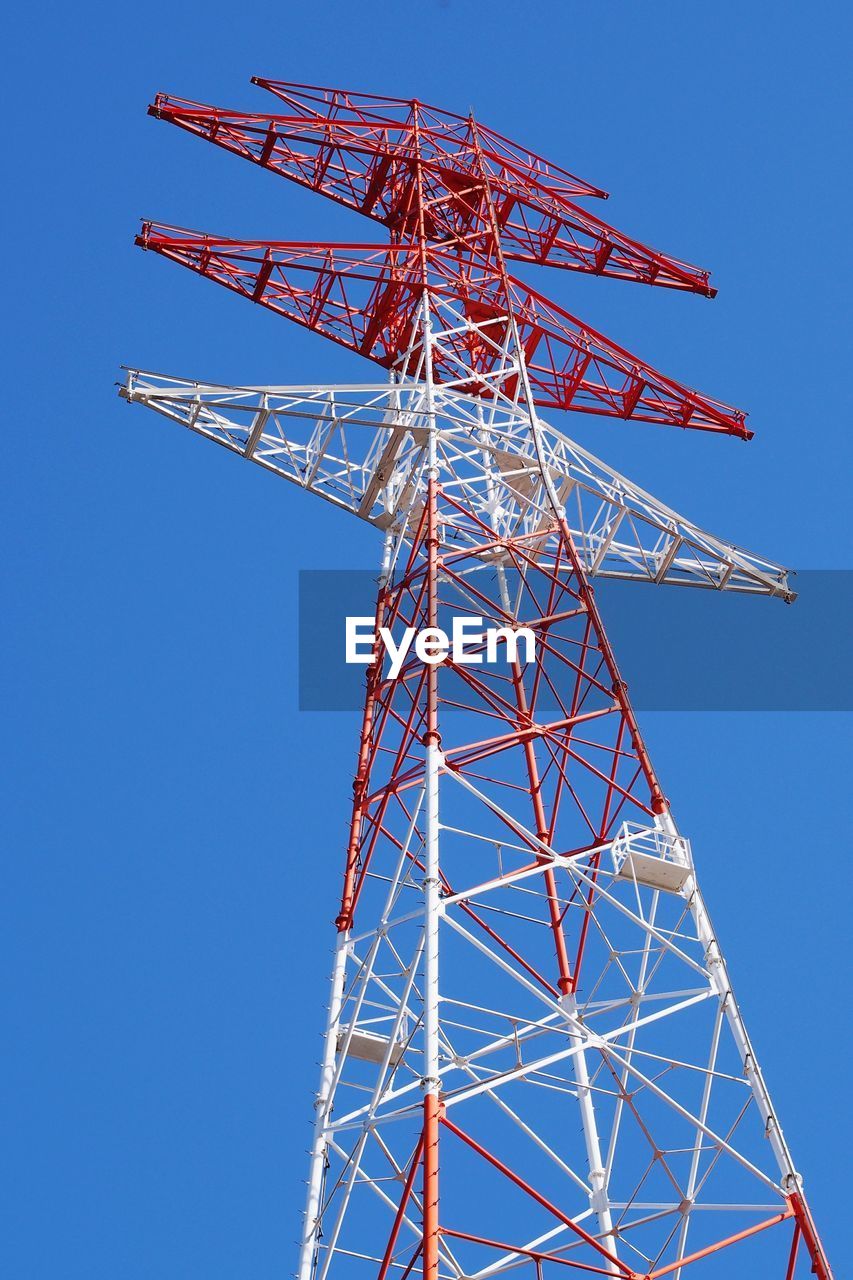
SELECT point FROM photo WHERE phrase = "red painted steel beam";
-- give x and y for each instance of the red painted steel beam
(536, 1255)
(808, 1231)
(366, 298)
(401, 1209)
(537, 1196)
(432, 1112)
(700, 1254)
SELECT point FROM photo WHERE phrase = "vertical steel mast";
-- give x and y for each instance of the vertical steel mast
(534, 1059)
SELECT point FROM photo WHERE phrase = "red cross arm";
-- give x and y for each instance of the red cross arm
(365, 297)
(366, 161)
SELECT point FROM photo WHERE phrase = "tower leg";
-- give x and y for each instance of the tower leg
(317, 1168)
(431, 1024)
(597, 1173)
(432, 907)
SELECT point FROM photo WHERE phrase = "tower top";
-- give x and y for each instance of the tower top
(460, 203)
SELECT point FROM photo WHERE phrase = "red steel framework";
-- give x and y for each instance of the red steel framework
(526, 981)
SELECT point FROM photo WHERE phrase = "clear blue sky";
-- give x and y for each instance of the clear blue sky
(173, 826)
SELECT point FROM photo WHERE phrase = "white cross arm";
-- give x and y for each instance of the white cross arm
(361, 447)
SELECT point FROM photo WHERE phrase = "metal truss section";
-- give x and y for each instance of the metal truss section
(459, 202)
(349, 150)
(317, 110)
(368, 297)
(362, 447)
(579, 976)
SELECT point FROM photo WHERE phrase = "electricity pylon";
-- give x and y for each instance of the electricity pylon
(534, 1060)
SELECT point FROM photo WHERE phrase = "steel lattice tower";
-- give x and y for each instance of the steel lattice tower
(534, 1061)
